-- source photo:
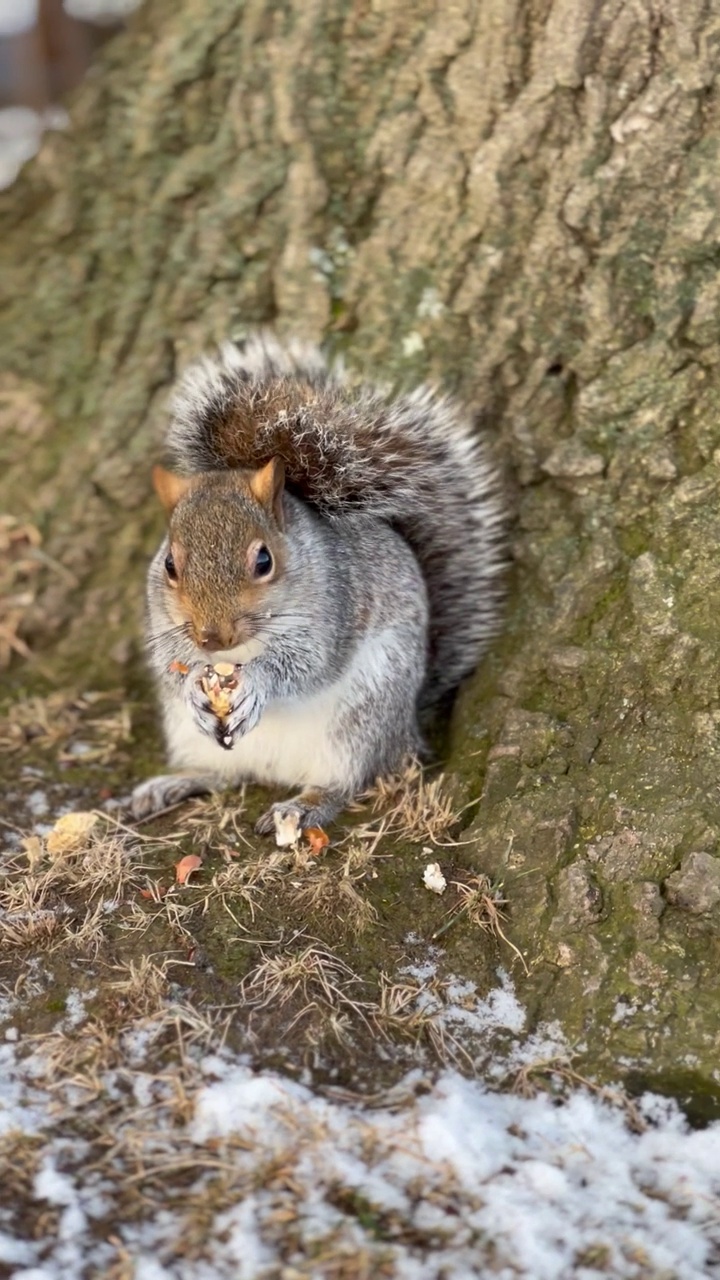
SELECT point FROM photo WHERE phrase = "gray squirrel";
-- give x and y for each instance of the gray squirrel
(339, 550)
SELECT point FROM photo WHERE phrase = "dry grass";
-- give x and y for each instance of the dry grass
(316, 987)
(68, 902)
(316, 885)
(335, 894)
(251, 875)
(69, 899)
(20, 563)
(411, 806)
(142, 1155)
(558, 1076)
(414, 1010)
(141, 992)
(63, 900)
(66, 899)
(480, 902)
(316, 981)
(135, 1004)
(125, 1081)
(120, 1125)
(100, 720)
(215, 819)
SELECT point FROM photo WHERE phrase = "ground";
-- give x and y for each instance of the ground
(298, 1063)
(325, 932)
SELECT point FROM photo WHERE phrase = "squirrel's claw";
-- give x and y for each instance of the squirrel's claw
(244, 714)
(202, 713)
(222, 736)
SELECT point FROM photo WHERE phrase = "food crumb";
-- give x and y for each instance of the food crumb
(433, 878)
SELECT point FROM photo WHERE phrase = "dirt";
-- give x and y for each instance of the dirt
(598, 931)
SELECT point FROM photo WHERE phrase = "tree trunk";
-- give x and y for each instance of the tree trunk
(520, 201)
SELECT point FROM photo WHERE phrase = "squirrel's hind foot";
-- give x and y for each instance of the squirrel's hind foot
(314, 808)
(165, 791)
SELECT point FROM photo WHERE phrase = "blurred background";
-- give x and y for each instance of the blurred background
(45, 49)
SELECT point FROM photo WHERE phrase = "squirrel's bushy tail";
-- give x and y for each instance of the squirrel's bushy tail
(412, 460)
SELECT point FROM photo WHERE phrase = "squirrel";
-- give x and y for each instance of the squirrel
(342, 548)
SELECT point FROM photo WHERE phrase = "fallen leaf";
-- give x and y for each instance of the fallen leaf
(317, 838)
(178, 667)
(155, 892)
(70, 833)
(185, 867)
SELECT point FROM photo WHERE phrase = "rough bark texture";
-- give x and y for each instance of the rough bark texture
(519, 200)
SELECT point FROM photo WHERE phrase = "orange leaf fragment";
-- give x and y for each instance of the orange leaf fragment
(185, 867)
(179, 667)
(317, 838)
(155, 892)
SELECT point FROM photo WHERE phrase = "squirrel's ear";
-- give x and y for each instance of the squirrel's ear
(169, 487)
(267, 486)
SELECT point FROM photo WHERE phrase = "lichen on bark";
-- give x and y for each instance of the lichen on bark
(519, 201)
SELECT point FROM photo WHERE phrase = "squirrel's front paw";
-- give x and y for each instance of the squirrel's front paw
(245, 711)
(197, 700)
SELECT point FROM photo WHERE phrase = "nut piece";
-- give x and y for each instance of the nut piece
(433, 878)
(70, 834)
(219, 683)
(287, 828)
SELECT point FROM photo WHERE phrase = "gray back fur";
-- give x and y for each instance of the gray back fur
(414, 460)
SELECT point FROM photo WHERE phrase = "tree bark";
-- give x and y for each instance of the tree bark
(520, 201)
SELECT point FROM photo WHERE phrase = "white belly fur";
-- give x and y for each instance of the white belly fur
(292, 745)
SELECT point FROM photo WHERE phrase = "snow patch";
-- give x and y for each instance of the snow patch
(446, 1177)
(21, 131)
(17, 16)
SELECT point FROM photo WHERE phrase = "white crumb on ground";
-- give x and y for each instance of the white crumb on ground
(287, 829)
(433, 878)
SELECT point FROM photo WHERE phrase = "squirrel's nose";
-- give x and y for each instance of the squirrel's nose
(216, 638)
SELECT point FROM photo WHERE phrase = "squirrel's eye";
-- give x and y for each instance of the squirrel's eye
(170, 569)
(263, 563)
